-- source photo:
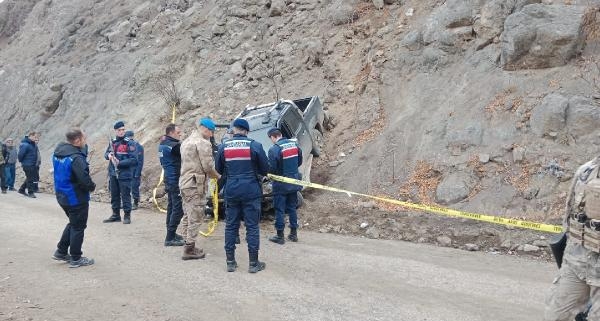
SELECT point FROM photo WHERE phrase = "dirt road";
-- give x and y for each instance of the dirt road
(323, 277)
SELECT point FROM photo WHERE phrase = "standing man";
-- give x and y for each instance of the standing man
(28, 155)
(121, 154)
(579, 276)
(285, 156)
(242, 160)
(169, 154)
(3, 160)
(10, 165)
(72, 184)
(38, 163)
(197, 167)
(137, 173)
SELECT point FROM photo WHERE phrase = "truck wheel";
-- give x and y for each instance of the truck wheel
(300, 200)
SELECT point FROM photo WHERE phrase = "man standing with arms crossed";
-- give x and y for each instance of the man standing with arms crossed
(169, 154)
(10, 165)
(197, 167)
(284, 159)
(121, 154)
(72, 185)
(241, 160)
(28, 155)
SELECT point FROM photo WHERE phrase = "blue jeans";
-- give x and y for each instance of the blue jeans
(135, 188)
(235, 210)
(120, 191)
(285, 203)
(174, 209)
(9, 172)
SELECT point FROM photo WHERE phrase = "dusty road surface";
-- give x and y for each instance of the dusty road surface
(323, 277)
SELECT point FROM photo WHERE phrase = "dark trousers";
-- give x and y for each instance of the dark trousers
(135, 188)
(9, 172)
(235, 210)
(72, 236)
(29, 179)
(174, 210)
(36, 179)
(285, 203)
(3, 184)
(120, 193)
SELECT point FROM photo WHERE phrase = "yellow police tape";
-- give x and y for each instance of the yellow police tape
(162, 172)
(432, 208)
(215, 200)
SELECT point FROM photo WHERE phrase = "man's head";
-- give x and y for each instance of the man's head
(76, 137)
(207, 127)
(9, 142)
(274, 134)
(129, 134)
(173, 131)
(241, 126)
(34, 136)
(119, 128)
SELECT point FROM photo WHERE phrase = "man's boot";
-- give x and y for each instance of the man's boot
(255, 264)
(293, 235)
(134, 206)
(279, 239)
(127, 218)
(115, 217)
(191, 252)
(231, 263)
(172, 240)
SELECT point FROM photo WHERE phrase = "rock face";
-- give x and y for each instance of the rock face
(542, 36)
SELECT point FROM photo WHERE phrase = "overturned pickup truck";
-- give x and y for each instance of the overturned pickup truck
(300, 119)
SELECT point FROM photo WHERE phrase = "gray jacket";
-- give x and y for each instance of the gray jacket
(12, 155)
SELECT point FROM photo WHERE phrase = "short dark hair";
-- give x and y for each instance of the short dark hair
(73, 134)
(170, 128)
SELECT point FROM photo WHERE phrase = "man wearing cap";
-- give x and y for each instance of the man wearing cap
(10, 164)
(285, 156)
(169, 154)
(137, 173)
(122, 156)
(242, 160)
(28, 155)
(197, 167)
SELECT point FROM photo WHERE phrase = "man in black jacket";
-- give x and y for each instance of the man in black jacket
(72, 185)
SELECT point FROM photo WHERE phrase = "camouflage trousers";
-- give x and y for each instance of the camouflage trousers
(193, 207)
(577, 284)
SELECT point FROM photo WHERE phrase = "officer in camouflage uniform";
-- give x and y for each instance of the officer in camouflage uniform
(579, 277)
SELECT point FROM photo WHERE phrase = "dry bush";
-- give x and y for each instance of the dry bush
(425, 179)
(374, 130)
(165, 86)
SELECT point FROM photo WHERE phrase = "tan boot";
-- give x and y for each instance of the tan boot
(191, 252)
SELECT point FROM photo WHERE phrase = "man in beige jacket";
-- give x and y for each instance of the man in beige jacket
(197, 167)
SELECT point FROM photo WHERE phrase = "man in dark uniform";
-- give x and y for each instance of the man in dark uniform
(169, 155)
(72, 185)
(284, 159)
(242, 160)
(121, 154)
(137, 173)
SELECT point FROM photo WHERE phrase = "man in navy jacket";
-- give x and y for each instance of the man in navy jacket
(28, 155)
(137, 173)
(72, 185)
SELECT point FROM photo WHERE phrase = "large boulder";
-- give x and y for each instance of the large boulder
(550, 116)
(449, 21)
(454, 188)
(583, 116)
(542, 36)
(493, 14)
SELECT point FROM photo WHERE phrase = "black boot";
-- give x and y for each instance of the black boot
(172, 240)
(279, 239)
(255, 264)
(115, 217)
(127, 218)
(293, 235)
(134, 206)
(231, 263)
